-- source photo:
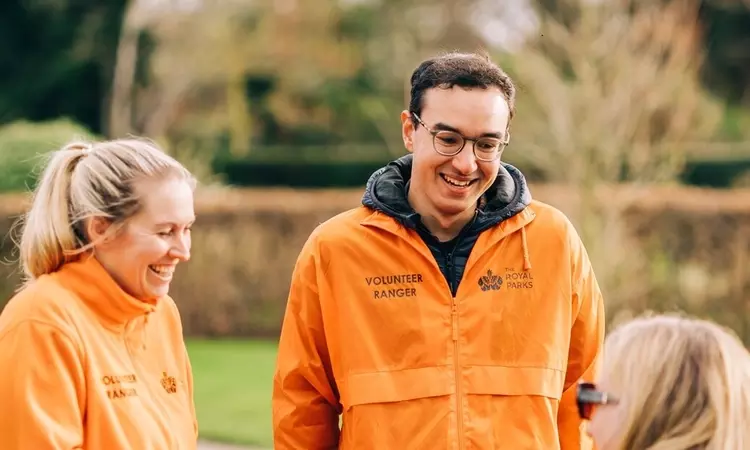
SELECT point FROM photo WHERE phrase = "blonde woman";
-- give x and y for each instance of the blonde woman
(670, 383)
(91, 348)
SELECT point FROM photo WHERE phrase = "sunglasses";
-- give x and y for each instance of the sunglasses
(589, 398)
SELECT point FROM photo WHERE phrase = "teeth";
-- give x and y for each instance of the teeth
(163, 270)
(456, 182)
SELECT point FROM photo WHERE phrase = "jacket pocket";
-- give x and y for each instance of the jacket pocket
(404, 409)
(396, 386)
(513, 407)
(506, 380)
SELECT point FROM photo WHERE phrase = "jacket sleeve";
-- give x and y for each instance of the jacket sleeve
(586, 341)
(191, 392)
(42, 387)
(305, 399)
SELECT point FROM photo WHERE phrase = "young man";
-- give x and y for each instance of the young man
(450, 310)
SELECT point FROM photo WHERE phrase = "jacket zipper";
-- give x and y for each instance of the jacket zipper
(453, 288)
(456, 362)
(141, 374)
(457, 374)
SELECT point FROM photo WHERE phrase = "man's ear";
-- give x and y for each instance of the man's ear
(407, 130)
(97, 229)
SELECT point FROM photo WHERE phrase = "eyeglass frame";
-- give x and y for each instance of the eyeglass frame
(434, 133)
(588, 397)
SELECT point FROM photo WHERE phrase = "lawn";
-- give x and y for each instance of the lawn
(233, 389)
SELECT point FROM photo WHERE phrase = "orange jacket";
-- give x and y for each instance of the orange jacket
(371, 332)
(85, 366)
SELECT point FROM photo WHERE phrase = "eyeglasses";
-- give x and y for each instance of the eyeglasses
(589, 398)
(450, 143)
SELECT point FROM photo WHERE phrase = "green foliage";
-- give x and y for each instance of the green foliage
(324, 170)
(716, 173)
(302, 167)
(726, 29)
(57, 58)
(24, 145)
(735, 124)
(357, 22)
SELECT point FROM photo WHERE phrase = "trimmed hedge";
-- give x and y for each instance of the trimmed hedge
(313, 174)
(694, 245)
(23, 146)
(319, 167)
(717, 174)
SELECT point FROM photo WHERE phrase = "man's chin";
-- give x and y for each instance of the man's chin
(457, 208)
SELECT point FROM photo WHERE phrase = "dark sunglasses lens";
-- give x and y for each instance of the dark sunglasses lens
(586, 410)
(585, 405)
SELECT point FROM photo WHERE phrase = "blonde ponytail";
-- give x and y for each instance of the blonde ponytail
(48, 236)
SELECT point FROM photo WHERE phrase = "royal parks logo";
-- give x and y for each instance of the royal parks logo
(490, 281)
(512, 279)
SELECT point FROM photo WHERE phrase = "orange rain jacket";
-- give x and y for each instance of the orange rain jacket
(87, 366)
(372, 331)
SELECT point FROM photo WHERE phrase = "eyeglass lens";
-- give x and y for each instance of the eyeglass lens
(450, 143)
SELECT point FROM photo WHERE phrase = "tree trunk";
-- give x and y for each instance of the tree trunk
(121, 102)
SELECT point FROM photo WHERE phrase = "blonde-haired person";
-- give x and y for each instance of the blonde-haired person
(670, 383)
(91, 348)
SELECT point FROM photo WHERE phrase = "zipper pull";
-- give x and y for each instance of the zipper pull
(454, 319)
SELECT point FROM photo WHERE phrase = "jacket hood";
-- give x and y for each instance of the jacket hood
(386, 191)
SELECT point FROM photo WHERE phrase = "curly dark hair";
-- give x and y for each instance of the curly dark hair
(466, 70)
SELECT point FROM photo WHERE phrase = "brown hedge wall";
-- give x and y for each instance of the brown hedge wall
(691, 248)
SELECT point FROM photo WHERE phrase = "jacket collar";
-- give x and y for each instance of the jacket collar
(90, 281)
(387, 192)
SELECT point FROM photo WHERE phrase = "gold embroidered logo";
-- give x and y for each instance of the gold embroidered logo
(168, 383)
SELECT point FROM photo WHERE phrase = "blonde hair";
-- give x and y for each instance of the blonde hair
(684, 384)
(81, 181)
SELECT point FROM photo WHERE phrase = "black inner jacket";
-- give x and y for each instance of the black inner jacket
(387, 190)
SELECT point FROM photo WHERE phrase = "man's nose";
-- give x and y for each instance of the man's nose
(465, 162)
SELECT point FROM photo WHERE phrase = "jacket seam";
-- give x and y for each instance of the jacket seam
(516, 367)
(400, 370)
(464, 366)
(55, 327)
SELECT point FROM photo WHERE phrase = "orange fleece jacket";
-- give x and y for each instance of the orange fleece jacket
(86, 366)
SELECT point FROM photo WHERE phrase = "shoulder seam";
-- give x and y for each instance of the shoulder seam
(41, 322)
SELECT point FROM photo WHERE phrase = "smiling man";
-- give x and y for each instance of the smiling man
(449, 310)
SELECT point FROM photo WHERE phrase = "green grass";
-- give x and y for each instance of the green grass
(233, 389)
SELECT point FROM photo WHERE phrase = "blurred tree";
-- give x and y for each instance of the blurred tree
(56, 59)
(616, 94)
(338, 70)
(611, 93)
(320, 73)
(288, 72)
(201, 84)
(727, 39)
(124, 73)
